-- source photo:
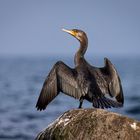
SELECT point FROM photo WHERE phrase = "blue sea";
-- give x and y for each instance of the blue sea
(21, 80)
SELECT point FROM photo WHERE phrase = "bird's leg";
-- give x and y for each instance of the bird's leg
(81, 102)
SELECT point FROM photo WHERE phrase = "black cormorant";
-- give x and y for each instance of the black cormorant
(84, 81)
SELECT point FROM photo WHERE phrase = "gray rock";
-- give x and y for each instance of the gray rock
(91, 124)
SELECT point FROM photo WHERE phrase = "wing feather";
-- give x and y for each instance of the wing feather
(49, 90)
(61, 78)
(67, 81)
(108, 82)
(114, 86)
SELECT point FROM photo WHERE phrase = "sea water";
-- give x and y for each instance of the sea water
(21, 79)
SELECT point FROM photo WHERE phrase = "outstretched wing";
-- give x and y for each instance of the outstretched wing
(110, 82)
(60, 78)
(49, 90)
(67, 81)
(115, 86)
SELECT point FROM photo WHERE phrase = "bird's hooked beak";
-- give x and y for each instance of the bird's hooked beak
(70, 32)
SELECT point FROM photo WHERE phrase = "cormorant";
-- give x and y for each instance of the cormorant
(84, 81)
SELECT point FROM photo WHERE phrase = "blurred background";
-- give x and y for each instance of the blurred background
(31, 41)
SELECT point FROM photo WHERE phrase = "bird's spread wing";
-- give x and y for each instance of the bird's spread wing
(109, 82)
(115, 87)
(49, 90)
(60, 78)
(67, 81)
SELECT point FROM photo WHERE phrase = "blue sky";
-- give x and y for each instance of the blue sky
(33, 27)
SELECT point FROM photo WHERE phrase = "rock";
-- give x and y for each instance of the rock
(91, 124)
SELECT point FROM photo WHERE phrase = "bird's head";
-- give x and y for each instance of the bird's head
(78, 34)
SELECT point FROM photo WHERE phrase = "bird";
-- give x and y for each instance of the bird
(101, 86)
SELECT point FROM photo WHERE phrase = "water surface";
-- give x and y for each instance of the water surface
(21, 80)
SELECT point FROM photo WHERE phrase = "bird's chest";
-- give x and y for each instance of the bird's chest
(82, 73)
(83, 80)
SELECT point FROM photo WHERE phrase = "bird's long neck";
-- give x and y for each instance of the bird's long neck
(79, 56)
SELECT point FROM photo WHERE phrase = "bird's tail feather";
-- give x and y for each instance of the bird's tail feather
(103, 102)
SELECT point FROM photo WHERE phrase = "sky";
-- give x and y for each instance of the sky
(33, 27)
